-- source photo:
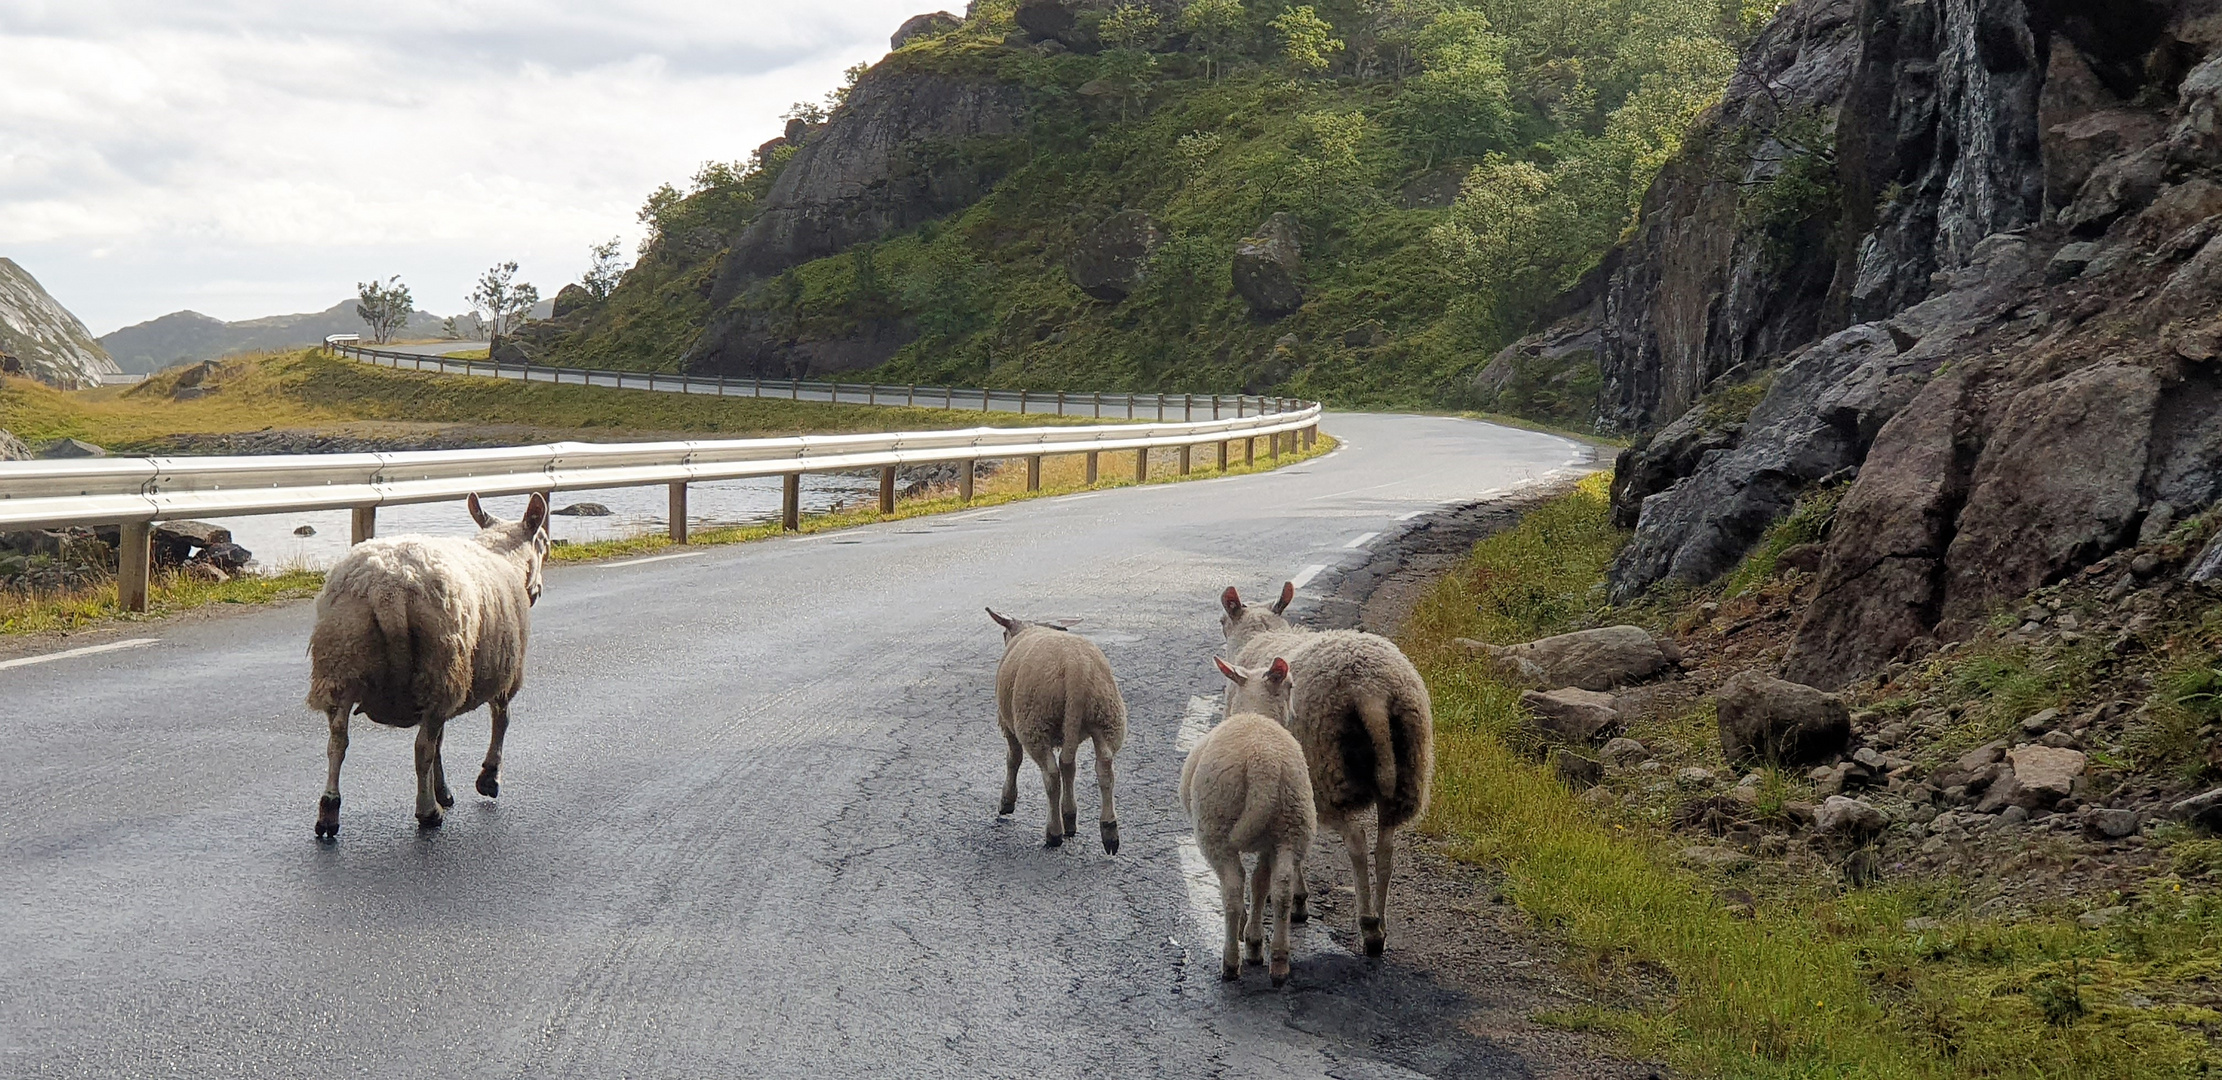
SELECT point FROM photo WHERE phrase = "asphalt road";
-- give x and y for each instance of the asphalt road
(747, 824)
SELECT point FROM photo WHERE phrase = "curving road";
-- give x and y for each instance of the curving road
(747, 823)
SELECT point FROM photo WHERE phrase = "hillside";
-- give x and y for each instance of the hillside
(42, 336)
(185, 336)
(1184, 197)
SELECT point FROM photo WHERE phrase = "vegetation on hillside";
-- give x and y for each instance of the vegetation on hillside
(1454, 164)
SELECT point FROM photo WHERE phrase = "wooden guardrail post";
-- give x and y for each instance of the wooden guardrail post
(1249, 450)
(887, 489)
(1033, 472)
(1060, 403)
(364, 524)
(1022, 400)
(1311, 436)
(678, 511)
(134, 564)
(964, 481)
(1093, 463)
(1142, 465)
(790, 502)
(1222, 444)
(1275, 448)
(1184, 460)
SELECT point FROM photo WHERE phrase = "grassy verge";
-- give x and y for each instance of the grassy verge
(1064, 474)
(1807, 978)
(310, 391)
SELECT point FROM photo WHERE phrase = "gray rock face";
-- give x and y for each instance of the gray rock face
(1655, 463)
(1848, 819)
(72, 448)
(1578, 716)
(923, 26)
(1269, 268)
(1768, 719)
(570, 298)
(46, 341)
(1053, 20)
(12, 448)
(1111, 260)
(1599, 659)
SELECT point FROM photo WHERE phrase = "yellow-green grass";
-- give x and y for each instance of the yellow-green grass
(311, 391)
(1062, 474)
(1813, 980)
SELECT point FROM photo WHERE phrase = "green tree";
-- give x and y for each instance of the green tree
(1129, 26)
(1307, 41)
(604, 270)
(501, 302)
(1459, 105)
(1218, 28)
(384, 307)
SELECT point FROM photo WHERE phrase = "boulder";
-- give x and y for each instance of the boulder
(2043, 775)
(570, 298)
(72, 448)
(582, 509)
(1112, 258)
(1576, 771)
(1269, 268)
(1623, 751)
(1599, 659)
(12, 448)
(1848, 819)
(227, 556)
(2203, 810)
(2122, 185)
(34, 541)
(192, 377)
(930, 24)
(2075, 150)
(2069, 262)
(1769, 719)
(1053, 20)
(2103, 824)
(1572, 714)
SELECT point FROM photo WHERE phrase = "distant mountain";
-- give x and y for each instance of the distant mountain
(185, 336)
(49, 341)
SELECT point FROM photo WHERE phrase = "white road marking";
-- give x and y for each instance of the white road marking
(650, 559)
(1304, 577)
(1415, 513)
(1361, 540)
(1194, 723)
(88, 650)
(974, 514)
(1083, 495)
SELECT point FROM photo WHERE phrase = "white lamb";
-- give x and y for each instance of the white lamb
(413, 631)
(1363, 716)
(1246, 788)
(1054, 690)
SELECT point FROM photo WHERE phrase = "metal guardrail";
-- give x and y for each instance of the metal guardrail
(136, 492)
(1040, 402)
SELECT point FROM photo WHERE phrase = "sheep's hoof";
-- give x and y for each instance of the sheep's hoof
(489, 783)
(444, 797)
(1053, 840)
(1110, 837)
(1297, 910)
(1370, 930)
(1254, 951)
(1072, 822)
(1231, 972)
(1006, 808)
(327, 817)
(431, 820)
(1279, 970)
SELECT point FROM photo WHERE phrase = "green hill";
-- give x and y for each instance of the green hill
(1448, 169)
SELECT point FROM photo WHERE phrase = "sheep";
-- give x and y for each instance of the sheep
(1052, 690)
(1363, 716)
(1246, 788)
(414, 631)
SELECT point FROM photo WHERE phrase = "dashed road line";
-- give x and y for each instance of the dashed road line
(1361, 540)
(649, 559)
(89, 650)
(1304, 577)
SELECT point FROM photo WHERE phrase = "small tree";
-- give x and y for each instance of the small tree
(1307, 40)
(604, 272)
(500, 302)
(1216, 26)
(383, 306)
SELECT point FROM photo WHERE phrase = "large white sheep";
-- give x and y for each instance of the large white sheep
(1054, 690)
(1363, 716)
(413, 631)
(1246, 787)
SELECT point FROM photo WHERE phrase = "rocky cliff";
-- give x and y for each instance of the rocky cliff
(43, 337)
(1961, 250)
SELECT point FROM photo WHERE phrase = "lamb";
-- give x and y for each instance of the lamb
(414, 631)
(1247, 789)
(1053, 690)
(1363, 716)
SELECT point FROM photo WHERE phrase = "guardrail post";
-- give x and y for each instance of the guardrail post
(1060, 403)
(949, 398)
(984, 399)
(1093, 462)
(364, 524)
(1215, 406)
(887, 489)
(1238, 403)
(1098, 396)
(1184, 455)
(1142, 465)
(1222, 444)
(1033, 472)
(678, 511)
(1249, 450)
(1188, 406)
(1160, 408)
(794, 389)
(134, 564)
(964, 481)
(790, 502)
(1311, 436)
(1275, 449)
(1022, 400)
(912, 400)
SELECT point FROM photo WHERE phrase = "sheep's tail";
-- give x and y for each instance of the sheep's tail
(1373, 712)
(1259, 805)
(389, 608)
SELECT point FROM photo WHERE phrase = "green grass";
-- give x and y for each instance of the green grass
(1817, 980)
(1807, 524)
(41, 612)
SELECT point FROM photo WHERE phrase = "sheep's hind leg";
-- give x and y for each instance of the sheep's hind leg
(1010, 774)
(1046, 761)
(1230, 897)
(1369, 923)
(1068, 769)
(1288, 868)
(1109, 817)
(429, 814)
(489, 774)
(440, 792)
(1384, 860)
(1253, 927)
(335, 752)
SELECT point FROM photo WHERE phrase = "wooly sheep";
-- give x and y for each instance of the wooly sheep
(1054, 690)
(413, 631)
(1363, 716)
(1247, 789)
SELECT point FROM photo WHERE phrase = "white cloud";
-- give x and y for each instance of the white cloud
(254, 157)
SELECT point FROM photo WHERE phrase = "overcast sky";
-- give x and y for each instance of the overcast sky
(257, 157)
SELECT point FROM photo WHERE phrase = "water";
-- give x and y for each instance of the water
(633, 511)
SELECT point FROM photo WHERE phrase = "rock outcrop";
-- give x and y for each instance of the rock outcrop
(47, 342)
(12, 448)
(1269, 268)
(922, 26)
(1112, 258)
(1598, 659)
(1764, 719)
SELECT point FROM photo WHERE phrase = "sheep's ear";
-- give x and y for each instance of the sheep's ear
(1288, 593)
(536, 513)
(1231, 672)
(999, 620)
(478, 513)
(1278, 672)
(1231, 600)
